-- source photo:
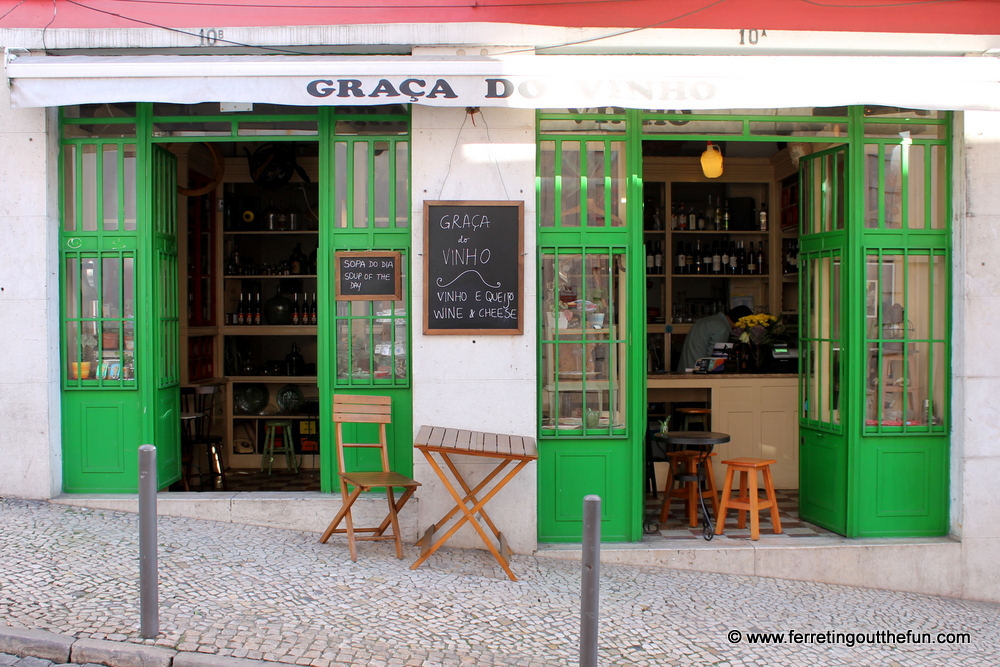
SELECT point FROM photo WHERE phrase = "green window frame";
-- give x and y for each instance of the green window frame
(98, 244)
(369, 157)
(821, 336)
(583, 342)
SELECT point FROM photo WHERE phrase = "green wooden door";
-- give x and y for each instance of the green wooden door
(823, 440)
(164, 336)
(591, 394)
(116, 345)
(364, 346)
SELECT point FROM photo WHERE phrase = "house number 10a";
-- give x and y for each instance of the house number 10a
(211, 36)
(751, 35)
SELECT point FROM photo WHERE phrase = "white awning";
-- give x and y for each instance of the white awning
(521, 81)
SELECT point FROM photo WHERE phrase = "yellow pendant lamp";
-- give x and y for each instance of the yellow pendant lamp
(711, 161)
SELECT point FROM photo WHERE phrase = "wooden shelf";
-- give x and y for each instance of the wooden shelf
(272, 275)
(269, 330)
(262, 232)
(720, 232)
(275, 379)
(277, 416)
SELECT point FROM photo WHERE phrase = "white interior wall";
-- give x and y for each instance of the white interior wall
(29, 281)
(484, 383)
(976, 366)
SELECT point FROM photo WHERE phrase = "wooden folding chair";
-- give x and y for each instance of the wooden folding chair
(367, 410)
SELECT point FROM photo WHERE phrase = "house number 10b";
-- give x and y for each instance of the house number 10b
(751, 35)
(211, 36)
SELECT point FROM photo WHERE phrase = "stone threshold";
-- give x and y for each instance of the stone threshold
(927, 565)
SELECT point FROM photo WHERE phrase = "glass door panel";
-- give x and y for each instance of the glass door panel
(583, 343)
(905, 329)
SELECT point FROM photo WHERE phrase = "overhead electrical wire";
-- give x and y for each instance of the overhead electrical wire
(288, 51)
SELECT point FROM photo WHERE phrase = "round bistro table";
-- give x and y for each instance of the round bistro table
(705, 442)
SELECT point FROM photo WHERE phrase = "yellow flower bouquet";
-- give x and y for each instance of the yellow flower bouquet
(756, 333)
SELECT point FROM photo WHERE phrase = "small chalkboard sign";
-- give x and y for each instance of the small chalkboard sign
(368, 275)
(473, 267)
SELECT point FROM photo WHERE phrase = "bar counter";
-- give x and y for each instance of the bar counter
(758, 411)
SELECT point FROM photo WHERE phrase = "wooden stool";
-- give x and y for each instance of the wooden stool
(702, 415)
(687, 461)
(285, 448)
(748, 499)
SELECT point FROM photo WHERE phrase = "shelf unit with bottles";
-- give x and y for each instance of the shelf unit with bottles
(675, 299)
(266, 242)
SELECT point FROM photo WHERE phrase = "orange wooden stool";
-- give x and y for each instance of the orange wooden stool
(687, 461)
(702, 414)
(749, 499)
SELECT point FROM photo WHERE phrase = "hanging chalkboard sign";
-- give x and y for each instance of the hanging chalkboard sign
(368, 275)
(473, 267)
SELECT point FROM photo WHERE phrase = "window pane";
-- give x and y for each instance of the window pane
(939, 187)
(69, 188)
(99, 130)
(916, 193)
(109, 175)
(547, 170)
(361, 185)
(583, 343)
(874, 111)
(913, 130)
(130, 189)
(939, 301)
(799, 129)
(341, 173)
(569, 184)
(872, 200)
(402, 185)
(893, 188)
(381, 187)
(89, 186)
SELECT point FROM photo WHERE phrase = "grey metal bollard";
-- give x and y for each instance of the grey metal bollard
(149, 596)
(590, 580)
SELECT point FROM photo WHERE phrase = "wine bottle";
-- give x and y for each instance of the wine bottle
(257, 311)
(312, 311)
(240, 313)
(734, 259)
(298, 261)
(692, 218)
(681, 259)
(763, 216)
(725, 217)
(752, 261)
(650, 261)
(658, 259)
(725, 258)
(688, 259)
(296, 313)
(761, 257)
(716, 258)
(718, 215)
(304, 316)
(233, 267)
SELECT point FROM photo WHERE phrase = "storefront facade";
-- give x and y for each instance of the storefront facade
(455, 126)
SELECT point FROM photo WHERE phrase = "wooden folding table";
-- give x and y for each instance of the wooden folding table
(448, 442)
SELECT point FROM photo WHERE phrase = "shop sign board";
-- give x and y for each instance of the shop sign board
(652, 82)
(368, 275)
(474, 267)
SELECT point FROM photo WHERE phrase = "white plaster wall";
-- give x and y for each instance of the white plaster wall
(976, 439)
(484, 383)
(29, 353)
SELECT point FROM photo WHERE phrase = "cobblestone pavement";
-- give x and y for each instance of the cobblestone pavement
(279, 595)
